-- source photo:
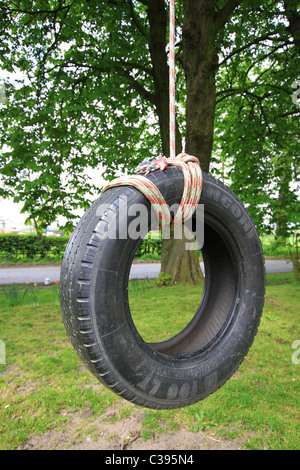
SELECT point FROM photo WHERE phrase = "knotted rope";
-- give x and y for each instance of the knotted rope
(192, 175)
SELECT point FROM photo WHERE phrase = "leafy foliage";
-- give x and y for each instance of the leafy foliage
(257, 122)
(90, 94)
(71, 110)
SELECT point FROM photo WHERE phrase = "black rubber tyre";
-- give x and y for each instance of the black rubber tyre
(95, 308)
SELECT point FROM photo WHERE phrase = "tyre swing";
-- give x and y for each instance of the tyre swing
(95, 273)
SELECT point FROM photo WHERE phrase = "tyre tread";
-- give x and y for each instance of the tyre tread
(76, 277)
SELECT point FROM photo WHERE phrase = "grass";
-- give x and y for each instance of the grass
(43, 383)
(160, 313)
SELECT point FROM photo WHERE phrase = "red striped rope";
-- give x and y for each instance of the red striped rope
(192, 175)
(172, 118)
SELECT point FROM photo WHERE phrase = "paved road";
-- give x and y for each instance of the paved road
(15, 275)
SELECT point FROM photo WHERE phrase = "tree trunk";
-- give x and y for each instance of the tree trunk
(176, 260)
(181, 264)
(296, 262)
(200, 62)
(283, 203)
(291, 8)
(40, 238)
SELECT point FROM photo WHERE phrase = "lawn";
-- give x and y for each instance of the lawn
(43, 383)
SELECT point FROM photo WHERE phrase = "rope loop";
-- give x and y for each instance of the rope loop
(192, 175)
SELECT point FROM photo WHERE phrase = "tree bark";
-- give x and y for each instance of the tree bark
(200, 62)
(291, 8)
(181, 264)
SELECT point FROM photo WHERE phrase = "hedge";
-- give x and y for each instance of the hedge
(29, 246)
(14, 245)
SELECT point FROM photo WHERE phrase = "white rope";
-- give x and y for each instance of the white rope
(172, 80)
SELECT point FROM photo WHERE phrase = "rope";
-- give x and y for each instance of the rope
(192, 175)
(172, 79)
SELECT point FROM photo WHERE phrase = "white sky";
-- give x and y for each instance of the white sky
(10, 213)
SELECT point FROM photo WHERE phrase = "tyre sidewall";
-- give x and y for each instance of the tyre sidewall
(164, 381)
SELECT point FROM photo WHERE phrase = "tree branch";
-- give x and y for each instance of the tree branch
(266, 56)
(118, 67)
(136, 21)
(38, 12)
(249, 44)
(290, 113)
(135, 65)
(139, 88)
(236, 91)
(224, 14)
(144, 2)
